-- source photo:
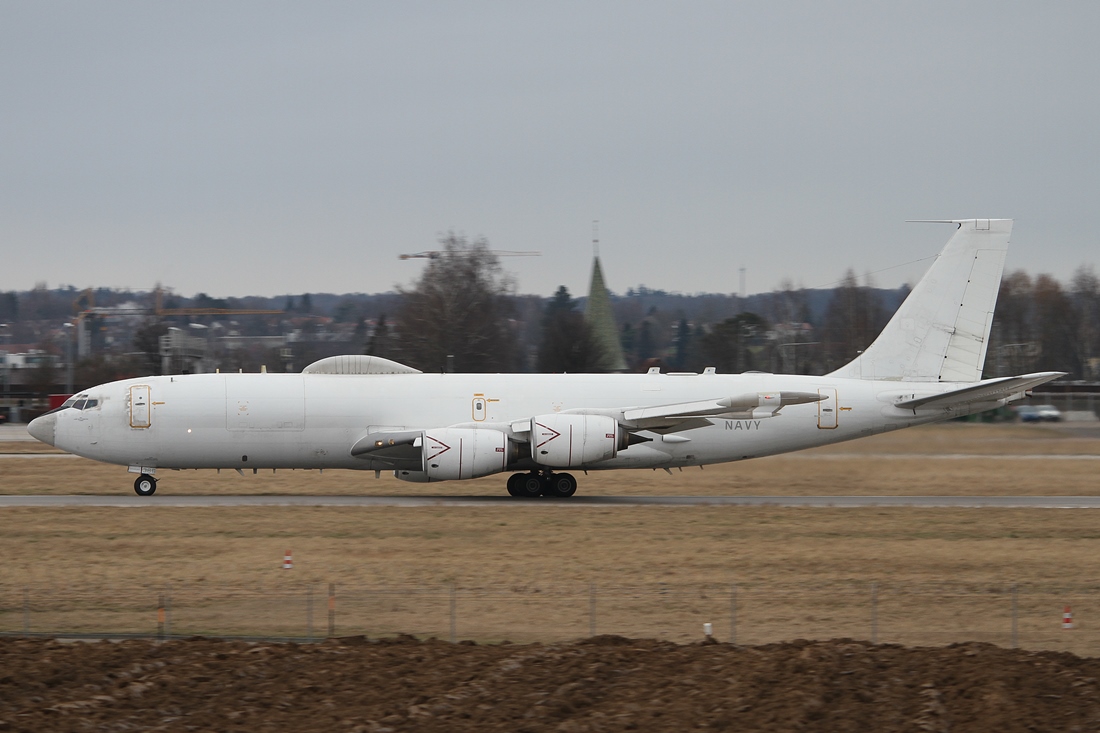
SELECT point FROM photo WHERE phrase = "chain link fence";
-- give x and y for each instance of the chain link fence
(1028, 616)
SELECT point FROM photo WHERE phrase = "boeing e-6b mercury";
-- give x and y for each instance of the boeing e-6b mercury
(368, 413)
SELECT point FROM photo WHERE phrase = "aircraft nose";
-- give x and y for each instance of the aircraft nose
(43, 428)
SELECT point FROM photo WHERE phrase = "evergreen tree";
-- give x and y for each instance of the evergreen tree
(567, 343)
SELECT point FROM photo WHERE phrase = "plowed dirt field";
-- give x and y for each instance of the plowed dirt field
(605, 683)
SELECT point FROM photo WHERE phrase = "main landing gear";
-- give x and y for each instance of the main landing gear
(547, 483)
(145, 485)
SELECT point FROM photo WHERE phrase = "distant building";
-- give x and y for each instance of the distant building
(182, 353)
(20, 367)
(601, 319)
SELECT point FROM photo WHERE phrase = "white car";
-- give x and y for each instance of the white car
(1048, 413)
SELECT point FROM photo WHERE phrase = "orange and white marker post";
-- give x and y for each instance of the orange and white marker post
(1067, 618)
(288, 561)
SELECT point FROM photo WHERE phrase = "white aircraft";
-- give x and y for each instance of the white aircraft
(363, 412)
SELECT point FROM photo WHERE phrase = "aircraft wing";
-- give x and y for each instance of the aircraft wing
(989, 390)
(677, 417)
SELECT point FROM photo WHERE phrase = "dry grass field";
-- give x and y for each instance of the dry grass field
(543, 570)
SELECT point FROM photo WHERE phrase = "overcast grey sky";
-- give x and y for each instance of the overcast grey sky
(268, 147)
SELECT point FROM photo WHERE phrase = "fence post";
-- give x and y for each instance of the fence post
(168, 610)
(454, 620)
(160, 618)
(591, 609)
(331, 610)
(874, 613)
(309, 612)
(26, 611)
(1015, 616)
(733, 613)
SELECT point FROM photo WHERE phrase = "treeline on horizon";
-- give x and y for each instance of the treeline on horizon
(463, 315)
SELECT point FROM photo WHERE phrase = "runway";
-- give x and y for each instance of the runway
(15, 433)
(576, 502)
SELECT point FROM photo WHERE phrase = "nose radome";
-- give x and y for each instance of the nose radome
(43, 428)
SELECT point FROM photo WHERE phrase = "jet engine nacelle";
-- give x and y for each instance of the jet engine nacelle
(461, 453)
(575, 441)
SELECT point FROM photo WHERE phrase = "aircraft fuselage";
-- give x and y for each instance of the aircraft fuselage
(312, 420)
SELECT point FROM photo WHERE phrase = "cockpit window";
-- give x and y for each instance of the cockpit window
(76, 402)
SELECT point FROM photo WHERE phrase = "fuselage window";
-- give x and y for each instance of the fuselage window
(79, 404)
(90, 404)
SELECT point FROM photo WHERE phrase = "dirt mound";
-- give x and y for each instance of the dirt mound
(601, 684)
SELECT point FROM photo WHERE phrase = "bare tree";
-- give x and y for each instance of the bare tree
(1056, 320)
(853, 319)
(1086, 295)
(460, 307)
(1036, 326)
(379, 344)
(1013, 345)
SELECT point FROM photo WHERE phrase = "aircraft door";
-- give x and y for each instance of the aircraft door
(141, 407)
(827, 409)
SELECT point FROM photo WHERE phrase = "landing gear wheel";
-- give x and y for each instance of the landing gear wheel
(514, 484)
(561, 485)
(145, 485)
(527, 485)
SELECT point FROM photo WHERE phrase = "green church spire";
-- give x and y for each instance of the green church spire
(598, 314)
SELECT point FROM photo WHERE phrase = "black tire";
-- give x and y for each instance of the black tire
(145, 485)
(529, 485)
(561, 485)
(514, 484)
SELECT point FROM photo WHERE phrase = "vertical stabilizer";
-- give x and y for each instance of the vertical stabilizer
(941, 331)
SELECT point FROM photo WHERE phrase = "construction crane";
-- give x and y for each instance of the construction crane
(435, 254)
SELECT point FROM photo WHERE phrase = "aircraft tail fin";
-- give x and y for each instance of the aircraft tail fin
(941, 331)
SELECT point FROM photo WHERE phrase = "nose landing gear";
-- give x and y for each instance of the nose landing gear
(145, 485)
(547, 483)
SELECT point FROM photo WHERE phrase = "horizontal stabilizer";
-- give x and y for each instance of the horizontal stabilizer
(990, 390)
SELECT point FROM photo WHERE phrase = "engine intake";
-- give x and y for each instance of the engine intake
(575, 441)
(461, 453)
